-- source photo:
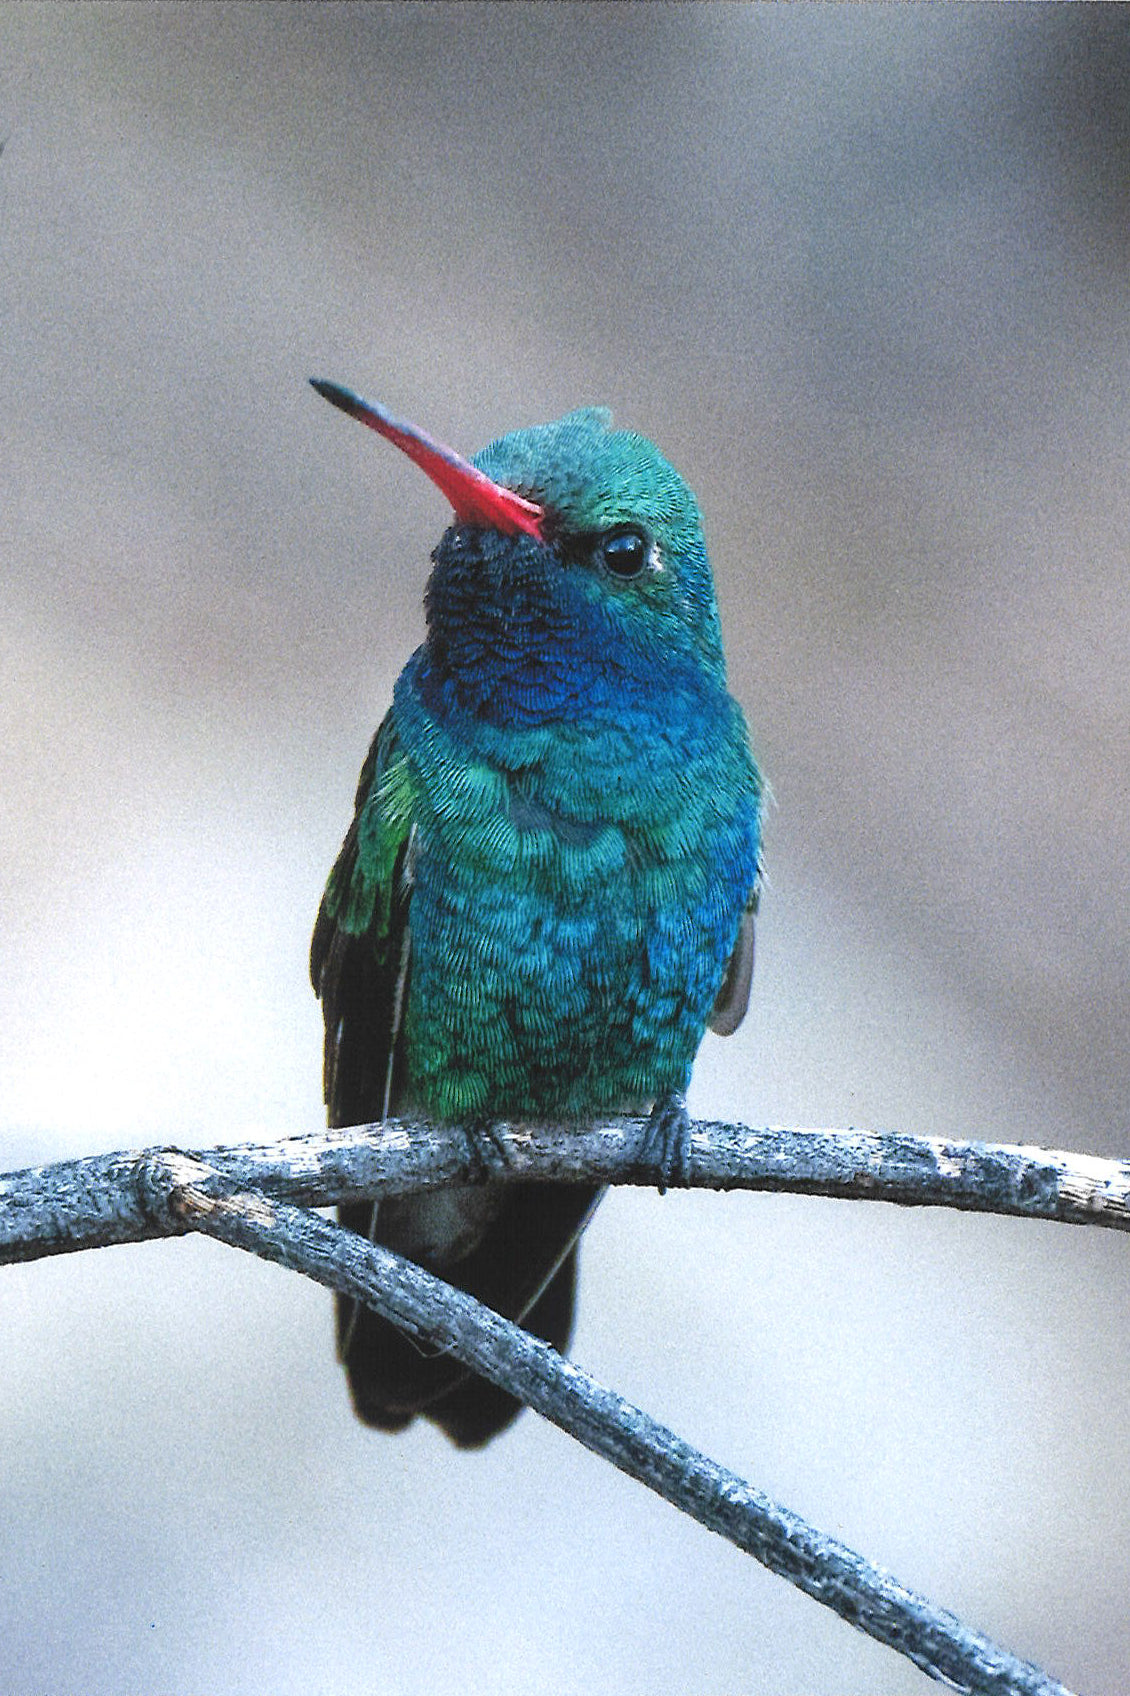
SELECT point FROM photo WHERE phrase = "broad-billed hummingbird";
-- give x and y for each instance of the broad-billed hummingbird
(547, 891)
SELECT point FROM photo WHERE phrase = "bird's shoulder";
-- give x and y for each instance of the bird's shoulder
(360, 898)
(359, 952)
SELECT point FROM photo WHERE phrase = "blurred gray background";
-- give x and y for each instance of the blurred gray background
(862, 273)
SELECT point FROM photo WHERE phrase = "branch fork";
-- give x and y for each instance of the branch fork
(259, 1197)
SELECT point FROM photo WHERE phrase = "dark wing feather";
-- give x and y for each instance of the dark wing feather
(525, 1261)
(358, 949)
(732, 1001)
(358, 965)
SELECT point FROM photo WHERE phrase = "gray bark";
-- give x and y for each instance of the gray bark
(258, 1197)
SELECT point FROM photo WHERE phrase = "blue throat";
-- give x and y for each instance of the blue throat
(518, 639)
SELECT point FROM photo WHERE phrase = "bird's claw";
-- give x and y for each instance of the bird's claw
(666, 1143)
(487, 1156)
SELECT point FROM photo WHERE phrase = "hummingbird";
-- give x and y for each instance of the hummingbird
(548, 888)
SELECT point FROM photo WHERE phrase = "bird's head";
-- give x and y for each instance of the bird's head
(570, 533)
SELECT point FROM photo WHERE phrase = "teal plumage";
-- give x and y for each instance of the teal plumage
(547, 889)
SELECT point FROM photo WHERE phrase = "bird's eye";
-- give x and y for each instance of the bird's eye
(623, 551)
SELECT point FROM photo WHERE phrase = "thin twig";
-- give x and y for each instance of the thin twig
(93, 1202)
(869, 1598)
(244, 1194)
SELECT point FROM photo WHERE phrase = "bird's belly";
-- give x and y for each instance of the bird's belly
(580, 981)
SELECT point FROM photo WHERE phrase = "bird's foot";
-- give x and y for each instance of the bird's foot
(666, 1142)
(487, 1156)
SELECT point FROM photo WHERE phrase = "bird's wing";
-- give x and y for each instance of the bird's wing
(525, 1262)
(732, 1000)
(359, 955)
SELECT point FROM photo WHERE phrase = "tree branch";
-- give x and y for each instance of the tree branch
(198, 1198)
(89, 1203)
(245, 1194)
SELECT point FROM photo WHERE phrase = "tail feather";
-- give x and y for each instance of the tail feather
(525, 1268)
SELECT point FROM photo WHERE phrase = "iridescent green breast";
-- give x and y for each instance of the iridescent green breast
(573, 908)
